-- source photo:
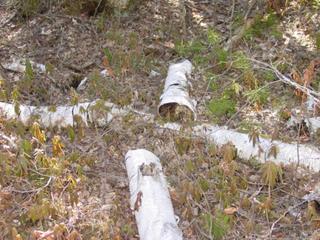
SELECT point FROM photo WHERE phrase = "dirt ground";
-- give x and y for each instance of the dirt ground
(89, 191)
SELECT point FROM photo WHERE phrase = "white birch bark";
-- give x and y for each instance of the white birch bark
(63, 116)
(19, 65)
(287, 153)
(176, 87)
(150, 197)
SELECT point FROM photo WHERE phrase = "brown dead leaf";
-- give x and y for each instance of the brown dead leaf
(309, 72)
(5, 200)
(47, 235)
(174, 195)
(230, 210)
(15, 234)
(277, 5)
(307, 77)
(74, 235)
(296, 76)
(117, 237)
(169, 45)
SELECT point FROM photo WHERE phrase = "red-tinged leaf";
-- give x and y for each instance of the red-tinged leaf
(309, 73)
(107, 66)
(138, 202)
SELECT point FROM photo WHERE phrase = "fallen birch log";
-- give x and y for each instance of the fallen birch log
(100, 113)
(150, 197)
(175, 102)
(263, 150)
(96, 112)
(19, 65)
(312, 123)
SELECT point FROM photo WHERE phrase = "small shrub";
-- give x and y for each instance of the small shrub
(271, 173)
(216, 226)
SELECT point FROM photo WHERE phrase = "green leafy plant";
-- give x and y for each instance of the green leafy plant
(259, 97)
(217, 226)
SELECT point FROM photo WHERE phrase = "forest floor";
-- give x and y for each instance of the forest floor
(83, 189)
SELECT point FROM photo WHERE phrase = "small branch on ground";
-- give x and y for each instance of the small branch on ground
(34, 190)
(309, 92)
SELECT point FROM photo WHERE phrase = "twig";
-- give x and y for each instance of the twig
(298, 146)
(315, 95)
(33, 190)
(97, 8)
(231, 22)
(250, 9)
(9, 19)
(283, 215)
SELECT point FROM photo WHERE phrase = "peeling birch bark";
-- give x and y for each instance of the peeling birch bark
(313, 124)
(286, 153)
(19, 65)
(175, 93)
(150, 197)
(96, 112)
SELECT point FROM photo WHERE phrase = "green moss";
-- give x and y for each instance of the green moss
(182, 144)
(283, 67)
(268, 76)
(190, 48)
(221, 55)
(212, 81)
(264, 26)
(222, 107)
(240, 61)
(213, 37)
(203, 184)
